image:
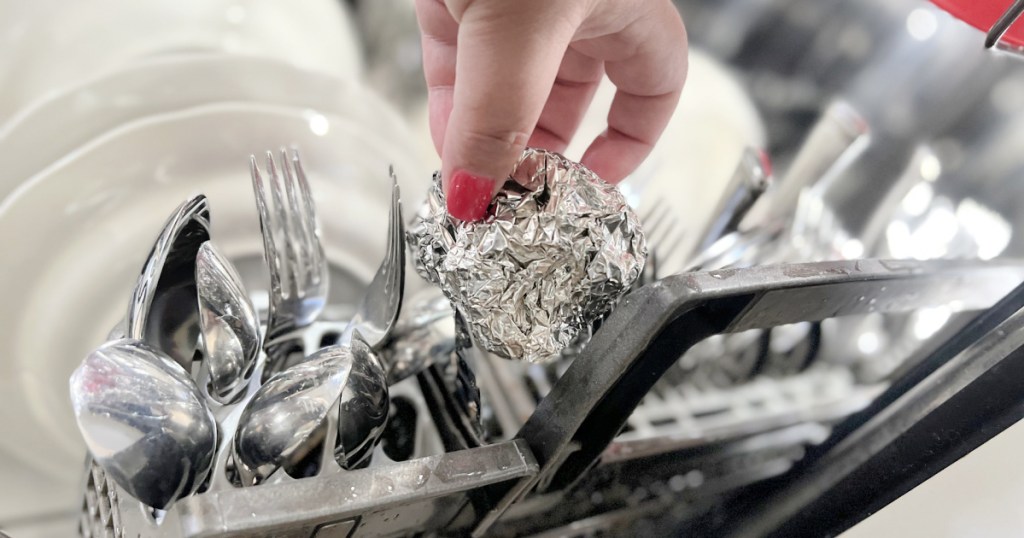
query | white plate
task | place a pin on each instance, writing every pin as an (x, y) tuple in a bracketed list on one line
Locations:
[(53, 126), (75, 237), (698, 152), (64, 41)]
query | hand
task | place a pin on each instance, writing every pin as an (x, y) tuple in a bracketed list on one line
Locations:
[(504, 74)]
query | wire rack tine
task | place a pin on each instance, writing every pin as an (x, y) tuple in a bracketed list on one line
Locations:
[(1001, 26)]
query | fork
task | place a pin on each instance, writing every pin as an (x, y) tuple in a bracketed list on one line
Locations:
[(293, 252), (664, 239), (379, 308), (665, 236)]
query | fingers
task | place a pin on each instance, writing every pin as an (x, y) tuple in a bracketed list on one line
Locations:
[(519, 82), (646, 61), (508, 57), (439, 33), (577, 81), (634, 124), (574, 89)]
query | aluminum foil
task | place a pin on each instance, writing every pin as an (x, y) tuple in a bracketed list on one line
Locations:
[(558, 250)]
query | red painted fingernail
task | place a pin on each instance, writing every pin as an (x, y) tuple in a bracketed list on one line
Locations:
[(766, 162), (468, 196)]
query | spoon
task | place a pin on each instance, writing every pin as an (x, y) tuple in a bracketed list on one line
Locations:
[(144, 421), (425, 336), (363, 408), (163, 309), (228, 322), (288, 417)]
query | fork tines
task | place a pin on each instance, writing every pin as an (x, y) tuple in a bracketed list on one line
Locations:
[(291, 240)]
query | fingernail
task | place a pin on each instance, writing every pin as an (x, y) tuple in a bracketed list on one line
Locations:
[(766, 162), (468, 196)]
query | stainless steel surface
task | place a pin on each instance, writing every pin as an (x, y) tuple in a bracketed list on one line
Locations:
[(409, 433), (378, 311), (287, 419), (144, 421), (791, 222), (424, 336), (449, 386), (294, 254), (397, 499), (163, 309), (230, 327), (324, 414), (101, 514), (1006, 20), (362, 408), (665, 238), (751, 179)]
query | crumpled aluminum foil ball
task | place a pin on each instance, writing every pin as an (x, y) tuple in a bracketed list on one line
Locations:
[(559, 249)]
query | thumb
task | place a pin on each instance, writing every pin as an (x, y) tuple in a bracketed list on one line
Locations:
[(508, 55)]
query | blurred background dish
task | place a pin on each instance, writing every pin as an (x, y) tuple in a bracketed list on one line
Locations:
[(63, 270), (695, 157), (104, 35), (54, 125)]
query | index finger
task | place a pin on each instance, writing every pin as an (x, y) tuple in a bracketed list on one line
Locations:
[(507, 60)]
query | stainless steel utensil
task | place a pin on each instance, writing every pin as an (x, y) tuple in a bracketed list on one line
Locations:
[(838, 137), (362, 408), (448, 385), (163, 309), (378, 310), (425, 334), (750, 180), (776, 228), (286, 420), (231, 337), (347, 380), (664, 236), (664, 240), (144, 421), (292, 248)]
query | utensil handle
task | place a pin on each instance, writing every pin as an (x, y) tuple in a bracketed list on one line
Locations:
[(923, 166), (839, 136), (748, 183)]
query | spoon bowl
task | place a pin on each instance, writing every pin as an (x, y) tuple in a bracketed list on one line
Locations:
[(228, 322), (144, 421), (288, 417), (163, 309)]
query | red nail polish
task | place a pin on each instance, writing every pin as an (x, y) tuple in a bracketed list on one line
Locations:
[(468, 196), (766, 162)]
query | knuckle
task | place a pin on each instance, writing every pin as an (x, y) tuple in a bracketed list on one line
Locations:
[(496, 141)]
